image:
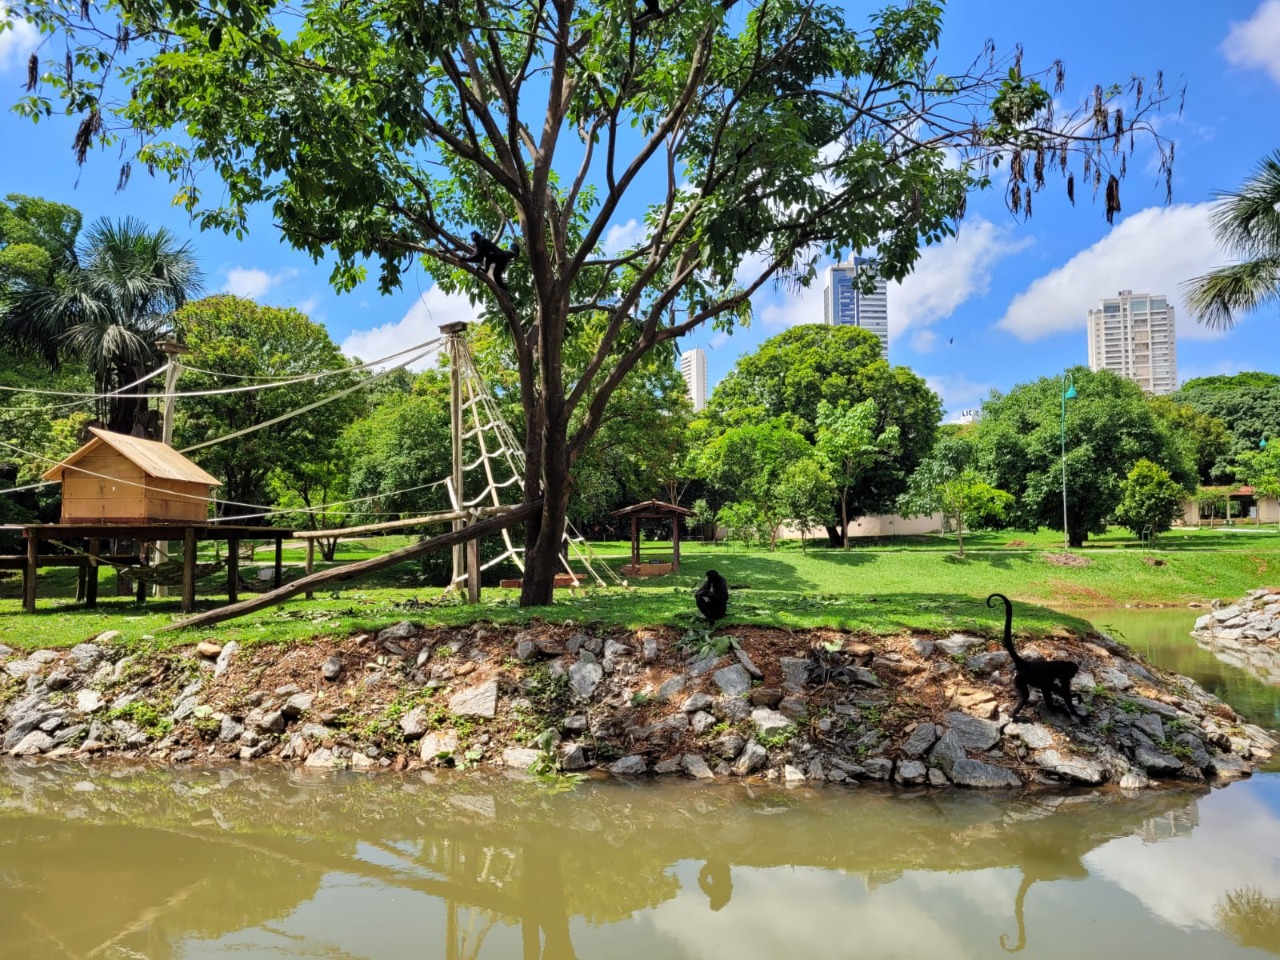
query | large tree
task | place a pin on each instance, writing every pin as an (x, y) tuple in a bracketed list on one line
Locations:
[(1246, 223), (1247, 403), (1109, 427), (948, 482), (750, 140), (106, 306), (37, 240)]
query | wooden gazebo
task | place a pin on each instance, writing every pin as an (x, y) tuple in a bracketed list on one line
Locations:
[(653, 510)]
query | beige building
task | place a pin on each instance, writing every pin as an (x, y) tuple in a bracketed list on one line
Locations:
[(1133, 335), (693, 367)]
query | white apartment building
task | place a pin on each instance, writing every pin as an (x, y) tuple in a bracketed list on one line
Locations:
[(844, 304), (1133, 335), (693, 367)]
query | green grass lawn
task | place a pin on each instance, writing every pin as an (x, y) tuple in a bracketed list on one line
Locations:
[(901, 583)]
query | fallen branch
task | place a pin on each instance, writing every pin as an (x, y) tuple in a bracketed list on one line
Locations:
[(353, 571)]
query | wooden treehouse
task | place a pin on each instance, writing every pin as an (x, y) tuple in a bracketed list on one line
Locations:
[(127, 494), (116, 478)]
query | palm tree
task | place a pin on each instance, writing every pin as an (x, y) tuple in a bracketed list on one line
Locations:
[(114, 298), (1247, 224)]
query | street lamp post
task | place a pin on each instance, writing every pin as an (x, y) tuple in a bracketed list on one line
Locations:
[(1068, 393)]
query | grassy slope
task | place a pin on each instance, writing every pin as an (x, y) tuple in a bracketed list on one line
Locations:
[(904, 583)]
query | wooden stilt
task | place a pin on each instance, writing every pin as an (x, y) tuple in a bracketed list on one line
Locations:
[(80, 584), (188, 569), (278, 579), (29, 572), (141, 585), (473, 571), (233, 570), (91, 582), (311, 563)]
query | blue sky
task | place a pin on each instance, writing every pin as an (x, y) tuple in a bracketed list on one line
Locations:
[(1003, 303)]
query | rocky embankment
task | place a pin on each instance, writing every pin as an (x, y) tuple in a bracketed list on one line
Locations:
[(815, 706), (1246, 634)]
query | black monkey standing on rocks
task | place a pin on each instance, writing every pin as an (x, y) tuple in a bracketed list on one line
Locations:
[(492, 259), (712, 597), (1047, 676)]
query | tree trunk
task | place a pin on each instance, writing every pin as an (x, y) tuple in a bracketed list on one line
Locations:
[(960, 532), (844, 519), (542, 549)]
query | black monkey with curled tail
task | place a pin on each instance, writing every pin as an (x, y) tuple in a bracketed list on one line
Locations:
[(712, 597), (1047, 676), (492, 259)]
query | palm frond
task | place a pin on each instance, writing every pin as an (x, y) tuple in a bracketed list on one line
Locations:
[(1219, 295), (1246, 221)]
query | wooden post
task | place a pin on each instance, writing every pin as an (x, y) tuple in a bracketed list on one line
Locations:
[(233, 569), (29, 572), (172, 349), (452, 334), (635, 540), (279, 561), (141, 585), (311, 563), (473, 571), (675, 542), (188, 569), (80, 583), (91, 582)]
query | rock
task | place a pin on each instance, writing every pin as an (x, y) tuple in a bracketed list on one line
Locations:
[(922, 647), (613, 650), (33, 744), (362, 762), (255, 751), (975, 701), (972, 733), (947, 752), (225, 656), (668, 728), (958, 644), (67, 734), (937, 778), (878, 768), (751, 759), (297, 705), (478, 701), (701, 722), (1200, 758), (1150, 724), (287, 690), (1115, 679), (794, 708), (792, 775), (1035, 735), (594, 644), (322, 757), (521, 758), (733, 680), (21, 669), (673, 685), (733, 709), (1155, 761), (230, 730), (699, 665), (1134, 780), (51, 721), (584, 678), (1168, 711), (272, 722), (439, 744), (696, 767), (85, 655), (414, 723), (526, 650), (769, 722), (728, 747), (665, 767), (5, 652), (863, 676), (921, 739), (331, 669), (107, 636), (574, 644), (795, 671), (1073, 768), (1224, 766), (649, 649), (206, 649), (397, 634), (573, 756), (1225, 614), (765, 697), (985, 664), (747, 664), (976, 773), (575, 724), (697, 702), (89, 701), (910, 771), (632, 766)]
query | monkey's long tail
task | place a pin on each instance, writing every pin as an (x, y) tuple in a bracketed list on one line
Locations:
[(1008, 626)]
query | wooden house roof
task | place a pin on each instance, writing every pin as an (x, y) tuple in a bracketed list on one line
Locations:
[(154, 459), (653, 508)]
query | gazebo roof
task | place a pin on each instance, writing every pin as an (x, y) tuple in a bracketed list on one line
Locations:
[(653, 508)]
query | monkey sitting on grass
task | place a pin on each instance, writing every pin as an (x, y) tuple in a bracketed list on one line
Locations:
[(712, 596)]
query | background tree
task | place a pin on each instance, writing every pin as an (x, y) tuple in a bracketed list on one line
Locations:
[(244, 343), (850, 445), (1149, 498), (37, 240), (758, 140), (806, 492), (1205, 439), (1246, 223), (947, 482), (1109, 428), (748, 464), (1247, 403), (107, 307), (1261, 470)]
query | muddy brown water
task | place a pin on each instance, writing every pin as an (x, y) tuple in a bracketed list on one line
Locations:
[(118, 862)]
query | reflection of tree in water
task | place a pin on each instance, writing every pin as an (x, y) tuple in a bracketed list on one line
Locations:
[(1251, 919), (249, 847)]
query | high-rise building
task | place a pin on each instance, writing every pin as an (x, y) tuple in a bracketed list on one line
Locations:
[(693, 367), (844, 304), (1133, 335)]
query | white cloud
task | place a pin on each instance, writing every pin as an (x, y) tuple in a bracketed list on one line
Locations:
[(622, 236), (796, 307), (947, 274), (958, 392), (1255, 43), (252, 283), (420, 324), (923, 341), (18, 41), (1153, 251)]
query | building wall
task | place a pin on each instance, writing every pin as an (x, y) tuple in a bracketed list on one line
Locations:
[(693, 367), (1268, 512), (106, 487), (843, 304), (176, 501), (1134, 335)]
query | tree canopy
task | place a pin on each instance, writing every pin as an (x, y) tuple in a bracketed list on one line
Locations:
[(1109, 427), (750, 140), (947, 482), (1247, 403)]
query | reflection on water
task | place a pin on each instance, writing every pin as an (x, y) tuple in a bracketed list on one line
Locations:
[(1164, 638), (280, 864)]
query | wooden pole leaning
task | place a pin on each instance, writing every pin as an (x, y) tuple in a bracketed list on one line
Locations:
[(452, 333)]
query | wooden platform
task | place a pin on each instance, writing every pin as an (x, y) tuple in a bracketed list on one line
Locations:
[(562, 580), (643, 569)]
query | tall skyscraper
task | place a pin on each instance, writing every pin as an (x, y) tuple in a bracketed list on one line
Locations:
[(693, 366), (1133, 335), (843, 304)]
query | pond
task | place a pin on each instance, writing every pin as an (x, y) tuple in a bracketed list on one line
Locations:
[(113, 862)]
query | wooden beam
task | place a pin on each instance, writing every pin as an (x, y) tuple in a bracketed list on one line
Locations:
[(91, 584), (233, 570), (353, 571), (311, 562), (279, 562), (473, 571), (188, 570), (29, 572), (340, 532)]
